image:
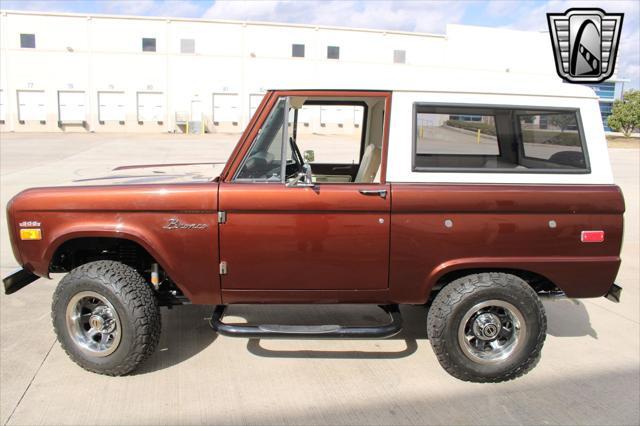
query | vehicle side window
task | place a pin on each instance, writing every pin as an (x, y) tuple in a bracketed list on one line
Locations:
[(336, 138), (552, 137), (449, 134), (263, 161), (499, 139), (341, 140)]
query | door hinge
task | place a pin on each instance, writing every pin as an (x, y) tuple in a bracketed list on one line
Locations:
[(223, 268), (222, 217)]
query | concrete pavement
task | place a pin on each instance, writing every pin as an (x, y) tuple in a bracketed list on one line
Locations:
[(589, 372)]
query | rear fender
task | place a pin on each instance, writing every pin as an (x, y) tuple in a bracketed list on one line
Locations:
[(576, 276)]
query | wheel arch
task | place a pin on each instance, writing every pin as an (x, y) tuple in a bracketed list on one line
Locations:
[(88, 246), (536, 281), (77, 249), (440, 277), (94, 244)]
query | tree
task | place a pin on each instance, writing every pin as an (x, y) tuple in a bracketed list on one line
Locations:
[(625, 115), (563, 121)]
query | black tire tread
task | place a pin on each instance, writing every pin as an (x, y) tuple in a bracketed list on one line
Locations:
[(452, 294), (133, 292)]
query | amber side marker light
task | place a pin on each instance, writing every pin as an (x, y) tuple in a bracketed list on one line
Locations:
[(31, 234)]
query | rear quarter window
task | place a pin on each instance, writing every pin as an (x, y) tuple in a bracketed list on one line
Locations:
[(551, 137), (498, 139)]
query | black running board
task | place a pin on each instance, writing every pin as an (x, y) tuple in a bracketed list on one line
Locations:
[(274, 331)]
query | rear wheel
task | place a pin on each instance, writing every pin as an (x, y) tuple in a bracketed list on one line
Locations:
[(106, 317), (487, 327)]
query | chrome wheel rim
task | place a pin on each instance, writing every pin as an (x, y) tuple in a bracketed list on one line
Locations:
[(93, 324), (491, 332)]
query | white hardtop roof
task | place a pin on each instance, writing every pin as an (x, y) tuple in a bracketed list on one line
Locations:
[(396, 79)]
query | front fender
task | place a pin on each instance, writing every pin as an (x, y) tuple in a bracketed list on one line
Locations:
[(119, 232), (188, 256)]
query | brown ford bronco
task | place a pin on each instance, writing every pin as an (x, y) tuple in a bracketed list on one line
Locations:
[(473, 204)]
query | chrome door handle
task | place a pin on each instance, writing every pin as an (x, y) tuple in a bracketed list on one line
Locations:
[(379, 192)]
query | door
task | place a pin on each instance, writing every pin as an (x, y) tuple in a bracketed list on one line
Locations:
[(280, 236), (196, 110), (254, 102), (111, 106), (3, 111), (71, 106), (226, 108), (150, 106), (31, 105)]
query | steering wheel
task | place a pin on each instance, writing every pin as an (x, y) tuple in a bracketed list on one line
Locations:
[(260, 165)]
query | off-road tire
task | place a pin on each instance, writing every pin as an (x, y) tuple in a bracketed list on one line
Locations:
[(135, 304), (457, 298)]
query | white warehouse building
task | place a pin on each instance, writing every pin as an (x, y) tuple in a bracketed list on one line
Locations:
[(63, 72)]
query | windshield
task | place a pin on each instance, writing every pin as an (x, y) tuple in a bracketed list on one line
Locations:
[(263, 161)]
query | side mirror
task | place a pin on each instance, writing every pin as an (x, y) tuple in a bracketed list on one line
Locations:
[(304, 179), (309, 156)]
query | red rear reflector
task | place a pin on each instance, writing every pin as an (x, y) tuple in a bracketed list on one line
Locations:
[(592, 236)]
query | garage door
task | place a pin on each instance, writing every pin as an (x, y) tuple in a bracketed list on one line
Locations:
[(226, 108), (31, 106), (358, 113), (254, 103), (3, 110), (304, 115), (111, 106), (330, 114), (71, 106), (150, 106)]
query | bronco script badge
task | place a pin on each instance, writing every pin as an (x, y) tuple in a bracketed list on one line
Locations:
[(174, 223), (585, 43)]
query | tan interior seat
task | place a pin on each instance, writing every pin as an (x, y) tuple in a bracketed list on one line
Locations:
[(369, 165)]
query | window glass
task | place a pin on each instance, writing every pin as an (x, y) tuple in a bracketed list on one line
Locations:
[(28, 41), (148, 44), (456, 134), (339, 141), (333, 52), (399, 56), (604, 90), (297, 50), (187, 45), (501, 139), (552, 136), (263, 161)]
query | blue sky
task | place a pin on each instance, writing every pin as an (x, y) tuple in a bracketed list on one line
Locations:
[(423, 16)]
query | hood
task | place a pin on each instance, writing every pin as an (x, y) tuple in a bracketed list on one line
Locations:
[(150, 174)]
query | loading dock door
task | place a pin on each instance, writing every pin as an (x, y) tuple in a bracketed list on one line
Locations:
[(150, 106), (31, 106), (304, 116), (330, 114), (358, 112), (254, 103), (226, 108), (111, 106), (71, 107), (3, 110)]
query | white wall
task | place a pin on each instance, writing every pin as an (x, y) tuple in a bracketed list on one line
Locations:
[(94, 54)]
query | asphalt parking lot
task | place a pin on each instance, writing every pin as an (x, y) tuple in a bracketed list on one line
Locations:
[(589, 372)]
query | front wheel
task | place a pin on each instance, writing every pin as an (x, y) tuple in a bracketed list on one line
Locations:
[(106, 317), (487, 327)]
